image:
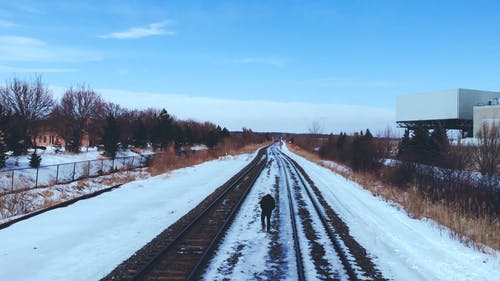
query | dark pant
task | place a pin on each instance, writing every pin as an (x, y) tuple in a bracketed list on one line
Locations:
[(266, 215)]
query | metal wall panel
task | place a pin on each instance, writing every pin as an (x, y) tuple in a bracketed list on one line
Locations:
[(427, 106)]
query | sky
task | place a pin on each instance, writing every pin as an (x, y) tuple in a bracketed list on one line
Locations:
[(264, 65)]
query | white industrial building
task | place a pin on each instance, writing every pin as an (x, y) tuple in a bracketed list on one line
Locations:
[(452, 109)]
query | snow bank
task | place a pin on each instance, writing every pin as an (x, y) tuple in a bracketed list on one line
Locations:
[(88, 239), (402, 247)]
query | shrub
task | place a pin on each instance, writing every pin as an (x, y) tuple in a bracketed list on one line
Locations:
[(35, 160)]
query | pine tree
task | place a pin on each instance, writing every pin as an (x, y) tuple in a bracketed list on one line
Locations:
[(419, 145), (140, 134), (111, 136), (74, 142), (35, 160), (3, 158), (162, 133), (404, 145), (438, 145)]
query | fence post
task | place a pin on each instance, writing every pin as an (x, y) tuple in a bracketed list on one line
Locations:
[(57, 174), (74, 170), (102, 166), (133, 158), (36, 179), (113, 165), (12, 184), (88, 170)]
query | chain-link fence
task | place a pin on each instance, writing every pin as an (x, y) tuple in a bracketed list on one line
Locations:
[(28, 178)]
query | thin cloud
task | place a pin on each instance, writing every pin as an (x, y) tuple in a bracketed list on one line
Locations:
[(27, 49), (157, 28), (264, 61)]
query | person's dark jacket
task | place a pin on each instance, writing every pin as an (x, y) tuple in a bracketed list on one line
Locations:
[(267, 203)]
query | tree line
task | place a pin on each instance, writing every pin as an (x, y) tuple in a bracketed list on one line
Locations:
[(28, 107)]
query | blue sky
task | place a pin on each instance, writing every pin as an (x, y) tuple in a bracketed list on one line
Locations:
[(316, 53)]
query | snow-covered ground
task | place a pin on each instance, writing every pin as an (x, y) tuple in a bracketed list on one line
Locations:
[(86, 240), (57, 167), (51, 157), (403, 248)]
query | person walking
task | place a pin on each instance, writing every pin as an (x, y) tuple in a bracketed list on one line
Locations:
[(267, 205)]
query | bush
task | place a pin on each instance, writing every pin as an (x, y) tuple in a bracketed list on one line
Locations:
[(35, 160), (2, 157)]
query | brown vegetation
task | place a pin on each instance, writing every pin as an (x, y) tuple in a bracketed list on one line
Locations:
[(474, 228), (170, 160)]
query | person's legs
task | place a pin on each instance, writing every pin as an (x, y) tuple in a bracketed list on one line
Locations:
[(262, 219), (268, 216)]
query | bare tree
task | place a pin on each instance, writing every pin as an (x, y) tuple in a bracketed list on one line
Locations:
[(82, 104), (83, 107), (315, 128), (29, 102), (487, 154), (113, 109)]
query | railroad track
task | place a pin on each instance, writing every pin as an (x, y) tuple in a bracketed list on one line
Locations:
[(307, 205), (183, 255)]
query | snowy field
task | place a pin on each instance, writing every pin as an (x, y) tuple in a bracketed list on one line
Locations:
[(62, 167), (403, 248), (87, 240)]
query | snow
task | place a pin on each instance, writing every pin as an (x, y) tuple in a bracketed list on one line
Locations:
[(50, 157), (81, 164), (88, 239), (339, 167), (403, 248)]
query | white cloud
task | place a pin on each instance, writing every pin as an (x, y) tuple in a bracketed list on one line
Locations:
[(260, 115), (27, 49), (265, 61), (157, 28)]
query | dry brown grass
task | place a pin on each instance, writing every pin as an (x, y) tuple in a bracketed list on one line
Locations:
[(169, 160), (471, 230)]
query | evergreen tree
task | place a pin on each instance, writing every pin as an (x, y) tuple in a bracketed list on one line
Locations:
[(212, 138), (74, 141), (162, 133), (140, 134), (419, 145), (225, 133), (404, 145), (15, 137), (35, 160), (2, 151), (4, 118), (364, 155), (368, 134), (111, 136), (438, 145)]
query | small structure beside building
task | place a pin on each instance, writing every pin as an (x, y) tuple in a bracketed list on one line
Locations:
[(50, 138), (489, 114), (451, 109)]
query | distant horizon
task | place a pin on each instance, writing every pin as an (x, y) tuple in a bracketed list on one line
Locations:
[(340, 63)]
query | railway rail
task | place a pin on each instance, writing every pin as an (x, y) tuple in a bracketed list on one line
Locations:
[(182, 255), (183, 251), (353, 258)]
